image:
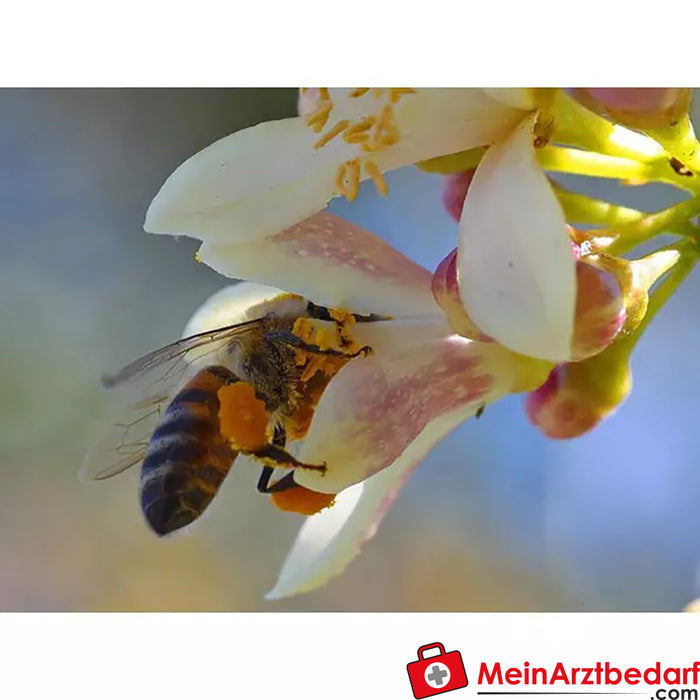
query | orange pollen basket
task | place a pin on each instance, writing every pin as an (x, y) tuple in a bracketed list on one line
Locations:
[(243, 417), (302, 500)]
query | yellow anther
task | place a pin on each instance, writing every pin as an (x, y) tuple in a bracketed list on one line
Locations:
[(379, 182), (384, 132), (317, 120), (371, 133), (395, 94), (347, 179), (336, 129), (358, 132)]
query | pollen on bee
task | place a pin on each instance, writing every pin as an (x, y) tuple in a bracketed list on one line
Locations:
[(242, 416), (302, 500)]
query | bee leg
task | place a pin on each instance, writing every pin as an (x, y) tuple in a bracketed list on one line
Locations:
[(279, 438), (275, 457), (284, 484), (288, 338), (480, 411), (322, 313)]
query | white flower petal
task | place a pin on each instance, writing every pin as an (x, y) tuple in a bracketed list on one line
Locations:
[(522, 98), (330, 540), (261, 180), (437, 121), (516, 272), (397, 404), (332, 262), (249, 185), (228, 306)]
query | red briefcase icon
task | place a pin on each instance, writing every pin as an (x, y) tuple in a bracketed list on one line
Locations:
[(436, 674)]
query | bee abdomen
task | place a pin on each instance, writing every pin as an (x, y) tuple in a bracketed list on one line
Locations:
[(187, 458)]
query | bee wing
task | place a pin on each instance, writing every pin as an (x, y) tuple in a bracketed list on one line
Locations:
[(153, 380)]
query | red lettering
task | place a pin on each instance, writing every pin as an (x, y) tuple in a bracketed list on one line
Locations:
[(587, 678), (672, 676), (632, 676), (559, 674), (485, 677), (612, 675), (652, 675), (513, 676)]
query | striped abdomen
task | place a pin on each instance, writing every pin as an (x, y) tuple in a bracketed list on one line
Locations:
[(187, 458)]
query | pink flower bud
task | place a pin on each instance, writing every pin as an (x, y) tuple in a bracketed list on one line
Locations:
[(639, 108), (600, 310), (446, 292), (454, 192), (578, 395), (635, 278)]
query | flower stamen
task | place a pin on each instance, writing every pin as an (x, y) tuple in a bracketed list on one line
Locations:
[(395, 94), (317, 119), (384, 132), (377, 177), (358, 133), (370, 132), (336, 129), (347, 179)]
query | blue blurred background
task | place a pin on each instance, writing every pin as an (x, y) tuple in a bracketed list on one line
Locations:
[(497, 518)]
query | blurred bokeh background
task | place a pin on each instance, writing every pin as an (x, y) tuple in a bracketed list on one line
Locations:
[(497, 518)]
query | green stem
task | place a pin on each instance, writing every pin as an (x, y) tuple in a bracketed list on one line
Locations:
[(577, 126), (675, 219), (679, 140), (577, 162), (572, 160), (582, 209), (454, 162)]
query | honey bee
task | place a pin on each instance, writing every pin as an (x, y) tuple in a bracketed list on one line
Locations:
[(240, 389)]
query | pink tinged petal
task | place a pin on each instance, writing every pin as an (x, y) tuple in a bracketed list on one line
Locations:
[(249, 185), (600, 311), (331, 539), (332, 262), (515, 270), (397, 404), (577, 396), (639, 108), (454, 192), (446, 293)]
